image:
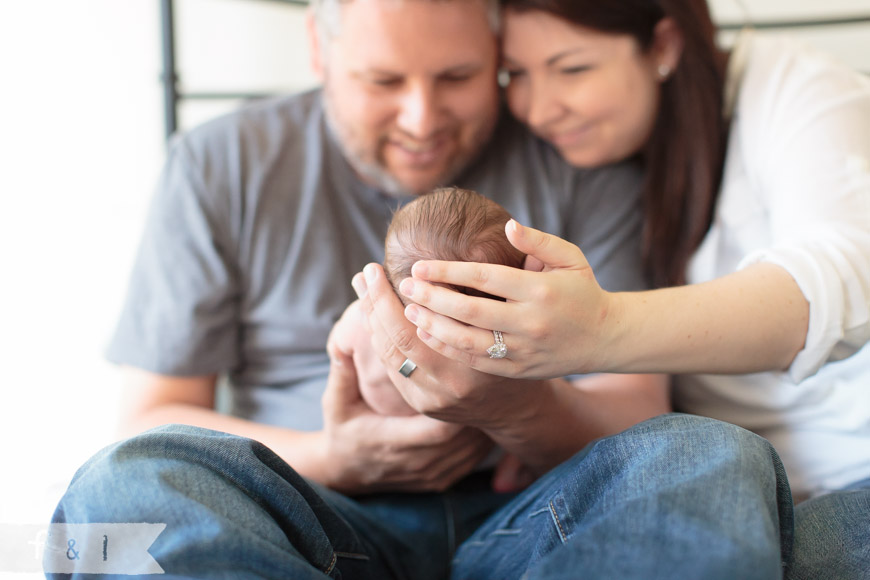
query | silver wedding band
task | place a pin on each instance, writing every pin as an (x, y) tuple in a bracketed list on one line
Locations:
[(407, 368)]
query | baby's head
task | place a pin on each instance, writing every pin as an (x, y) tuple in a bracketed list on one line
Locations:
[(448, 224)]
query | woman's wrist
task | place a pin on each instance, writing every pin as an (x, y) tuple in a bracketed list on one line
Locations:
[(610, 339)]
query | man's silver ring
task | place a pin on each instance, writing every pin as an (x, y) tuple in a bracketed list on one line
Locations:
[(499, 349), (407, 368)]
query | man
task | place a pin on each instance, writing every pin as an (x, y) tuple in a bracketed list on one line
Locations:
[(259, 223)]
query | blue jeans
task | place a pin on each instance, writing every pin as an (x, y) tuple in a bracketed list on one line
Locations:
[(674, 497), (832, 535)]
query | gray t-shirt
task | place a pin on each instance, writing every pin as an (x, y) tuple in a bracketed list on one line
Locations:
[(259, 223)]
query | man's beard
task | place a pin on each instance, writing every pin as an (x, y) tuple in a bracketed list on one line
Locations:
[(373, 172)]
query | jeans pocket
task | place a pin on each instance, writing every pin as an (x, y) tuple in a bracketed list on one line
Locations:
[(513, 540), (563, 519)]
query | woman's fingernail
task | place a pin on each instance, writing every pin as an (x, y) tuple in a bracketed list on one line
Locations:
[(406, 287), (515, 227), (370, 273), (359, 285), (411, 312)]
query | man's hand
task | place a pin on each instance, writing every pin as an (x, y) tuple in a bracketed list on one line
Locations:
[(512, 475), (440, 387), (368, 452), (352, 335)]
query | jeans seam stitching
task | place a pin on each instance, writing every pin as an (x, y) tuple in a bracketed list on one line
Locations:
[(329, 568), (562, 534)]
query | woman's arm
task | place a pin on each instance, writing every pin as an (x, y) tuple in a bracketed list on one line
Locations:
[(796, 206), (753, 320), (558, 321), (542, 422)]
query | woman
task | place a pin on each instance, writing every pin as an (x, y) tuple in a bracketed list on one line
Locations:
[(764, 211)]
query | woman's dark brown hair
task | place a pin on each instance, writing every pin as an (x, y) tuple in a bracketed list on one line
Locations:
[(685, 154)]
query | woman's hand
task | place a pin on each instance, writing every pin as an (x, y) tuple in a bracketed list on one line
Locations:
[(555, 321), (541, 422), (439, 387)]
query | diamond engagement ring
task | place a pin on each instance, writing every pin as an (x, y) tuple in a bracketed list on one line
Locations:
[(499, 349), (407, 368)]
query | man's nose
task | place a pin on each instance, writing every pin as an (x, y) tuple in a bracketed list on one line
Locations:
[(419, 110)]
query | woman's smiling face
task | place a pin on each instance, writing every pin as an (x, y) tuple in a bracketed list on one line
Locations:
[(593, 95)]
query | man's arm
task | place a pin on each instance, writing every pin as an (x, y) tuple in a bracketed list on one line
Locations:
[(559, 417), (357, 451), (152, 399)]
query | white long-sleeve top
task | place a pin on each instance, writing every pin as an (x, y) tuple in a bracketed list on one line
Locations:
[(796, 192)]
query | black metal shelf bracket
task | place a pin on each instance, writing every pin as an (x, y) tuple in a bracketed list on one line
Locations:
[(172, 96)]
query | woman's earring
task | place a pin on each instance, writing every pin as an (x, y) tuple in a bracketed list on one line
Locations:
[(664, 70)]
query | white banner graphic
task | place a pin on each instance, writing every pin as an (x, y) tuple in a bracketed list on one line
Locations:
[(80, 548)]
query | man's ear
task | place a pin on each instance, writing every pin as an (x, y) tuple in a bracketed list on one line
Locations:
[(667, 48), (315, 48)]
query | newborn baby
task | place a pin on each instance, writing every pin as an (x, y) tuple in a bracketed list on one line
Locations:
[(446, 224)]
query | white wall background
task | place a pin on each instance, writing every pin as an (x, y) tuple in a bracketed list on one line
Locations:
[(81, 145)]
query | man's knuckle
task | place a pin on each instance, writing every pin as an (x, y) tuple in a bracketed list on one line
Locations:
[(457, 388), (390, 351), (404, 339), (366, 305)]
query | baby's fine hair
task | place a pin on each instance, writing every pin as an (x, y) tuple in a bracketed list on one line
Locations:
[(448, 224)]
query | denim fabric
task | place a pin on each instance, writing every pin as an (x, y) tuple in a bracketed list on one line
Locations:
[(832, 536), (674, 497), (234, 509)]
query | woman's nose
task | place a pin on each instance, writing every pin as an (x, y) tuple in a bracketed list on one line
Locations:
[(543, 106)]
